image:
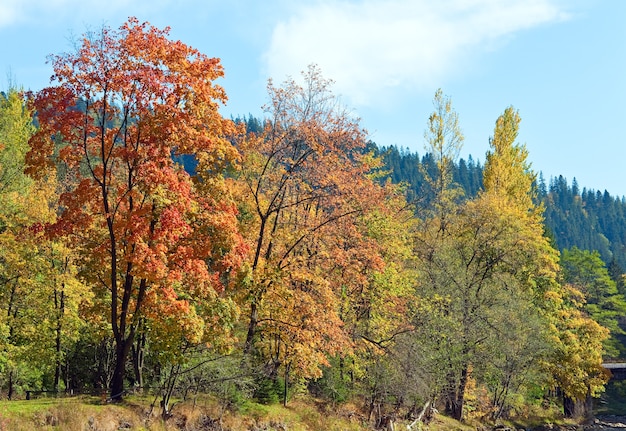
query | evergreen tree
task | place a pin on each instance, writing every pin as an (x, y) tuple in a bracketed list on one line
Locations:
[(586, 271)]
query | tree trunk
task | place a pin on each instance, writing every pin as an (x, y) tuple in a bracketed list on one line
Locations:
[(456, 394), (285, 392), (125, 331), (461, 393), (58, 366), (117, 380), (139, 355), (168, 391), (59, 299), (67, 378), (569, 407), (10, 389), (573, 408), (254, 317)]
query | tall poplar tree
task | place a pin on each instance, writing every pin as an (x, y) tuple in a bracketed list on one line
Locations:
[(436, 244), (480, 269), (507, 172), (509, 190), (444, 140)]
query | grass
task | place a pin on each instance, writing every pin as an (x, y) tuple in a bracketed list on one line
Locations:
[(299, 415), (71, 414), (443, 423), (89, 413), (205, 413)]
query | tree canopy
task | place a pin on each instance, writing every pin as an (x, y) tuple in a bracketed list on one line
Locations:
[(152, 238)]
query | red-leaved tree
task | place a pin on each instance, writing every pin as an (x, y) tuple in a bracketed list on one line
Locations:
[(153, 240)]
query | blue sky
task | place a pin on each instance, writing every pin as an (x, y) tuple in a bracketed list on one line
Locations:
[(562, 64)]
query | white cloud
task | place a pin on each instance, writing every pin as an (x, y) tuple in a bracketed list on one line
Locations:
[(372, 47)]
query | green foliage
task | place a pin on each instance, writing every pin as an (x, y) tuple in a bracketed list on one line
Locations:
[(613, 400), (334, 385), (586, 271), (587, 219), (411, 170), (268, 390)]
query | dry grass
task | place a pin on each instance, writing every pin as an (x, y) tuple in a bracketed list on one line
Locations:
[(91, 414), (69, 414)]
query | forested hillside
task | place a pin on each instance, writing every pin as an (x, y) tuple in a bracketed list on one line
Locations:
[(575, 217), (281, 262)]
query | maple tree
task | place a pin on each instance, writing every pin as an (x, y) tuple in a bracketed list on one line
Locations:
[(304, 185), (156, 242)]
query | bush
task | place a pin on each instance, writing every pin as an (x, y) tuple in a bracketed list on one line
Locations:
[(268, 390)]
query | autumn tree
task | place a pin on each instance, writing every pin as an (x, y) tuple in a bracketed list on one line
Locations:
[(509, 185), (39, 299), (444, 140), (575, 364), (377, 311), (575, 338), (573, 358), (471, 280), (305, 190), (16, 214), (507, 172), (482, 270), (156, 243)]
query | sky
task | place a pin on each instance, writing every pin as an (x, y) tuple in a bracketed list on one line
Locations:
[(560, 63)]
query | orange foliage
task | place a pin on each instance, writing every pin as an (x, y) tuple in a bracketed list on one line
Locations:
[(124, 104), (305, 187)]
